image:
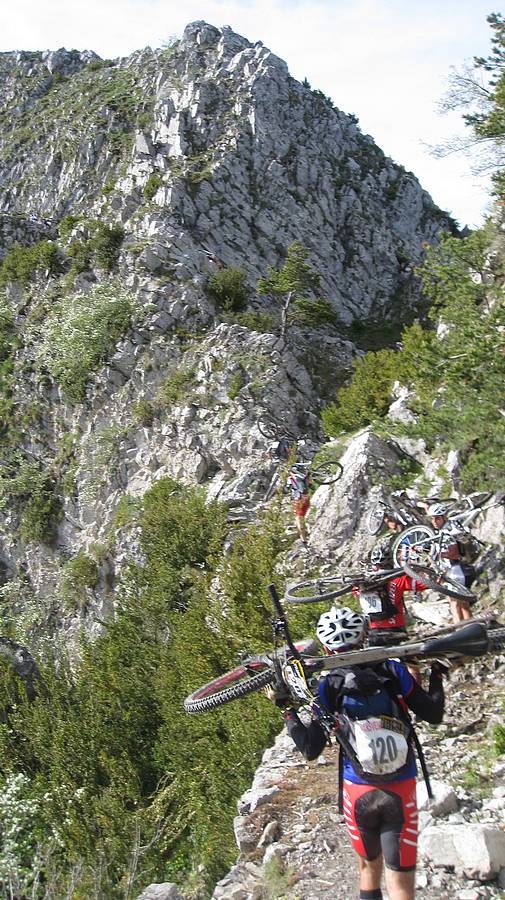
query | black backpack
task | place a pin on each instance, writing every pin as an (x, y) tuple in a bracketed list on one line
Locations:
[(370, 723)]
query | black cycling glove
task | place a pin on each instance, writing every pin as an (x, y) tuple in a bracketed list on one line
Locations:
[(438, 669)]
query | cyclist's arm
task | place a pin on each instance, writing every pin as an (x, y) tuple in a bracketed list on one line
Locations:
[(406, 583), (310, 740), (428, 705)]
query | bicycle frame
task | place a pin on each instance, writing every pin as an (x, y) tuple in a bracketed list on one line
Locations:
[(292, 668), (467, 516)]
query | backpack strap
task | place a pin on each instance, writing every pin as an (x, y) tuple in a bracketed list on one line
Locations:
[(340, 780), (415, 739)]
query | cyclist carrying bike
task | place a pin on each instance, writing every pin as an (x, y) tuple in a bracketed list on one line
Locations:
[(384, 607), (299, 483), (450, 552), (368, 706), (280, 451)]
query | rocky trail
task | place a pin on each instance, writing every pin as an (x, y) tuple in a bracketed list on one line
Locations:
[(293, 842)]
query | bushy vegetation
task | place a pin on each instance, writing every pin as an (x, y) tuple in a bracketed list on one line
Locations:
[(455, 369), (34, 493), (366, 398), (79, 575), (21, 264), (124, 787), (82, 331), (177, 387), (228, 289), (8, 342), (42, 513), (152, 184), (100, 246)]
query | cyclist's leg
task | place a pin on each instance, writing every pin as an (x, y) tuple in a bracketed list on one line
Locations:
[(399, 838), (363, 831), (460, 609), (400, 885), (301, 508), (370, 877)]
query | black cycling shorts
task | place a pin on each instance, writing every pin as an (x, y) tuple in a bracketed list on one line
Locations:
[(383, 820)]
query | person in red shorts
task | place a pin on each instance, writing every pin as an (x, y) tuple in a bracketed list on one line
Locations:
[(368, 706), (299, 483)]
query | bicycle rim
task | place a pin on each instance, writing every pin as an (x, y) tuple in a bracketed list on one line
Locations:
[(267, 429), (245, 679), (446, 585), (375, 518), (317, 590), (417, 536), (327, 472)]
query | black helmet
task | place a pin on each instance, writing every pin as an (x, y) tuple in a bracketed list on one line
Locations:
[(381, 554)]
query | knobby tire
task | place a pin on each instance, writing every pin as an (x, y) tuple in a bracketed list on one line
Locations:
[(327, 472), (496, 639), (239, 683), (375, 518)]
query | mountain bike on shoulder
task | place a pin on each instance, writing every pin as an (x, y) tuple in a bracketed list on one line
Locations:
[(329, 588), (293, 667), (399, 506)]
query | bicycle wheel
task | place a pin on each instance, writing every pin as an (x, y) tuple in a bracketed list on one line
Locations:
[(267, 429), (318, 589), (375, 517), (327, 472), (411, 542), (251, 676), (439, 581), (321, 588)]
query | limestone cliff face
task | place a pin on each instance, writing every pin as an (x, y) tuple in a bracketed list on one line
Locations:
[(240, 160), (204, 155)]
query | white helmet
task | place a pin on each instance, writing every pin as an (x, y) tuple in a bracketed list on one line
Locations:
[(437, 509), (340, 627)]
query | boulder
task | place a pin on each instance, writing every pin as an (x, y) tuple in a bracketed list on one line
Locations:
[(165, 891), (478, 851)]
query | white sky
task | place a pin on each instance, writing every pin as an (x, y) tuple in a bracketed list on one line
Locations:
[(386, 61)]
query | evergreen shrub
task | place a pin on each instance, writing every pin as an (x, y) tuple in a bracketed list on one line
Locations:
[(79, 574), (228, 289), (151, 186), (366, 398), (125, 783), (177, 387), (22, 263)]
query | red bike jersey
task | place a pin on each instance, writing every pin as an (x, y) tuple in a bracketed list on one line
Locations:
[(384, 607)]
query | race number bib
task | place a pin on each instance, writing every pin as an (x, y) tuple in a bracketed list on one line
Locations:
[(370, 603), (381, 744)]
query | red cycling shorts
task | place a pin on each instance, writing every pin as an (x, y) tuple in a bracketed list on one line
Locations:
[(383, 819), (301, 506)]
